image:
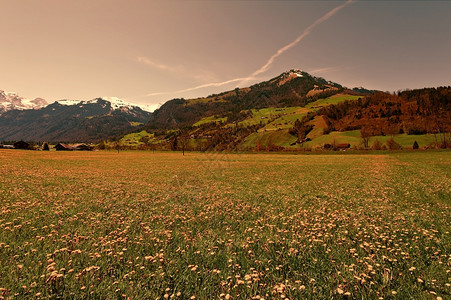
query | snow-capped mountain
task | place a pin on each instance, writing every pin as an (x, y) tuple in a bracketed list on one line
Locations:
[(72, 121), (11, 101), (116, 103)]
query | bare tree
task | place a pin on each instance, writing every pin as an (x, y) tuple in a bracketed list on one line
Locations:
[(365, 135)]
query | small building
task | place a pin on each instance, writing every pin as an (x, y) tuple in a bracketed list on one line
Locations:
[(82, 147), (327, 147), (343, 147), (63, 147), (22, 145)]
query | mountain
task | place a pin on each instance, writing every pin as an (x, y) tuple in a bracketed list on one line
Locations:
[(297, 110), (116, 103), (72, 121), (11, 101), (292, 88)]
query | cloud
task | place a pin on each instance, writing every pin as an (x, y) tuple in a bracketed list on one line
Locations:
[(324, 70), (213, 84), (305, 33), (163, 67), (328, 70), (199, 75), (270, 61)]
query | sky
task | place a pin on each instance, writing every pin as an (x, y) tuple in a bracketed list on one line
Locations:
[(149, 51)]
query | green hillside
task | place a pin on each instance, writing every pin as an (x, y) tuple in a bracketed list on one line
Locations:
[(296, 110)]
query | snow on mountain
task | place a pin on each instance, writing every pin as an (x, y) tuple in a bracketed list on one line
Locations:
[(10, 101), (116, 103), (287, 76)]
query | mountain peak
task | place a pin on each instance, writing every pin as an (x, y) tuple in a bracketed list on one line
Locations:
[(115, 102), (11, 101), (290, 75)]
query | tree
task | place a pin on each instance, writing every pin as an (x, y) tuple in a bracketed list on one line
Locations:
[(174, 143), (117, 144), (180, 139), (377, 145), (101, 145), (45, 147), (415, 145), (184, 139), (393, 145), (365, 135), (145, 139)]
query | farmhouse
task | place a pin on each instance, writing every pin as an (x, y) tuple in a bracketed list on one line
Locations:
[(21, 145), (343, 147), (340, 147), (63, 147), (82, 147)]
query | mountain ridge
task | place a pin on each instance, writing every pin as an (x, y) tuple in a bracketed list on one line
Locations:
[(76, 121), (12, 101), (291, 88)]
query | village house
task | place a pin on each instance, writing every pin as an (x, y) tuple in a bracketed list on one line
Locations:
[(343, 147), (81, 147), (21, 145), (63, 147)]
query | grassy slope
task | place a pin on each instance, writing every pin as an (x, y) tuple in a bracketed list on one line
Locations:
[(210, 119), (139, 225), (289, 115), (268, 138), (264, 115), (287, 119), (331, 100), (133, 139), (353, 138), (284, 118)]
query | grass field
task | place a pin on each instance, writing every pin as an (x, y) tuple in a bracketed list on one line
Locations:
[(268, 139), (335, 99), (107, 225), (210, 119), (354, 138)]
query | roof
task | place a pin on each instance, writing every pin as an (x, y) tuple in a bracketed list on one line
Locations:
[(343, 145), (61, 145)]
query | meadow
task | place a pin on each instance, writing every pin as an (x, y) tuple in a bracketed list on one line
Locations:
[(142, 225)]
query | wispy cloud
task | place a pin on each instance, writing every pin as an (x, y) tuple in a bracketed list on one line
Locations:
[(305, 33), (198, 75), (328, 70), (324, 70), (270, 61), (213, 84), (148, 62)]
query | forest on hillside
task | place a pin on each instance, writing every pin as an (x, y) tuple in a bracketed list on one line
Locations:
[(412, 112)]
